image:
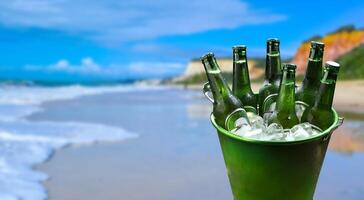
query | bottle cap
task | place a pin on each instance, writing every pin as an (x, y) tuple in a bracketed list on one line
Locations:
[(332, 66)]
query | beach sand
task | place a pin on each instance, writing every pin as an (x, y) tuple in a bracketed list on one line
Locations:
[(180, 158)]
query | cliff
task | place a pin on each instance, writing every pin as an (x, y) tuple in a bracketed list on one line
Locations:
[(337, 44)]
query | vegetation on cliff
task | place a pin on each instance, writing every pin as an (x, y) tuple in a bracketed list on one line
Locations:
[(352, 64)]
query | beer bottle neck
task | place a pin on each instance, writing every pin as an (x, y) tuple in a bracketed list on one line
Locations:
[(316, 53), (314, 68), (326, 92), (273, 66), (219, 87), (241, 80), (286, 96)]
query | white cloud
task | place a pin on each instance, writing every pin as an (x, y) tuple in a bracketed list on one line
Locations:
[(88, 67), (112, 21)]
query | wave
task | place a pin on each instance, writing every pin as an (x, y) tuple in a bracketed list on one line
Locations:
[(36, 95), (24, 143)]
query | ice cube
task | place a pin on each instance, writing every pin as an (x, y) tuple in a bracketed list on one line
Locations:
[(241, 127), (307, 126), (266, 117), (300, 108), (315, 132), (272, 107), (241, 122), (274, 128), (273, 132), (250, 114), (273, 137), (256, 121), (254, 117), (289, 137), (242, 130), (253, 130), (254, 133), (301, 131)]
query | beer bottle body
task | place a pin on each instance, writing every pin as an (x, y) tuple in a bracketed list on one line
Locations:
[(241, 87), (284, 112), (272, 74), (320, 114), (320, 118), (226, 107), (310, 85)]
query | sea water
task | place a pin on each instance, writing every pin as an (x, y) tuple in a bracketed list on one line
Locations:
[(25, 143)]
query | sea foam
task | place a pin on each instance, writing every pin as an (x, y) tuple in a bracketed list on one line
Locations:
[(24, 143)]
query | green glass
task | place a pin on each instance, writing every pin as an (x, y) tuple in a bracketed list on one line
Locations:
[(273, 73), (320, 113), (284, 112), (241, 81), (226, 107), (307, 92)]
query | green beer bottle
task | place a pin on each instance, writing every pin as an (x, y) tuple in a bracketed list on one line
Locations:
[(307, 92), (241, 81), (284, 112), (226, 107), (320, 113), (273, 74)]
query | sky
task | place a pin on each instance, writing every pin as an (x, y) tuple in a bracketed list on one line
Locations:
[(105, 40)]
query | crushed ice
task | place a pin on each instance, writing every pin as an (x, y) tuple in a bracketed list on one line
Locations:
[(259, 130)]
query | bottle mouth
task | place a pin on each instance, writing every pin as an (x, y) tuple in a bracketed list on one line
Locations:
[(239, 53), (273, 40), (207, 56), (239, 48), (273, 45), (289, 66), (316, 44), (210, 64)]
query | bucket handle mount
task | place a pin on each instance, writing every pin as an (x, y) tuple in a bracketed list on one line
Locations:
[(206, 91), (340, 121)]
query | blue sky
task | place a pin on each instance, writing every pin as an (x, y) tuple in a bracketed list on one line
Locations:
[(83, 40)]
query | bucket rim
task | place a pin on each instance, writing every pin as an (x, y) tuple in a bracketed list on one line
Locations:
[(337, 122)]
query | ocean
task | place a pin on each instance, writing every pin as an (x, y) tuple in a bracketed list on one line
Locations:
[(163, 145)]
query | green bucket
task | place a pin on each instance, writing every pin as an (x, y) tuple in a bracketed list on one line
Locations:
[(269, 170)]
